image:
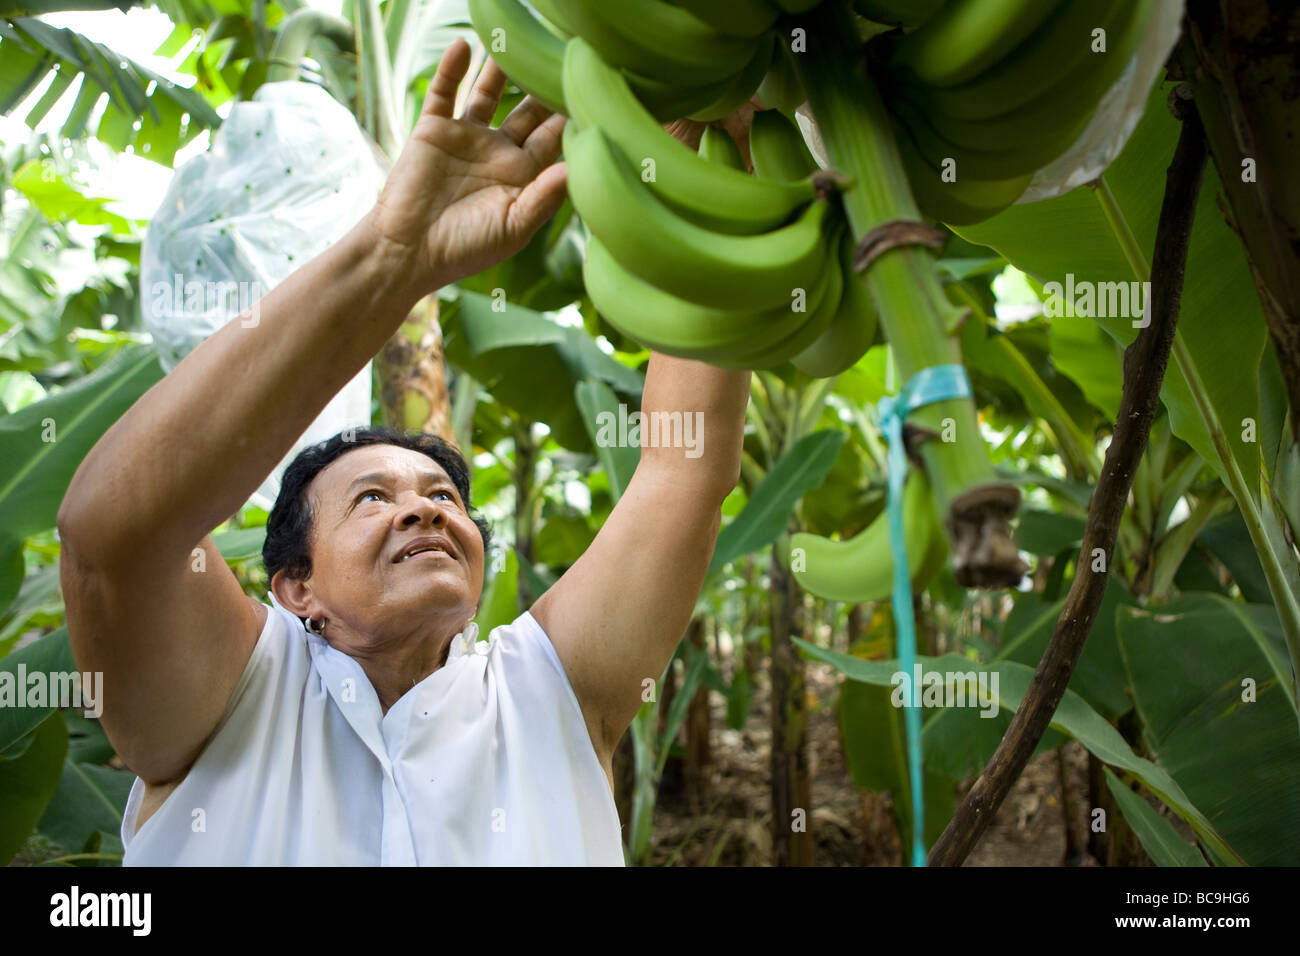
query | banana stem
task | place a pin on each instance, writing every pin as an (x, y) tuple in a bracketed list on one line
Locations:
[(1128, 243), (376, 69), (296, 34), (918, 319)]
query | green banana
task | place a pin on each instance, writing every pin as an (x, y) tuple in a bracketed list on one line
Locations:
[(540, 68), (935, 560), (820, 315), (960, 203), (969, 37), (782, 352), (973, 165), (795, 7), (551, 12), (851, 331), (1056, 48), (899, 13), (1007, 147), (650, 240), (781, 88), (529, 53), (717, 146), (658, 40), (741, 18), (673, 326), (710, 196), (670, 101), (777, 148), (862, 568), (740, 90), (1059, 113)]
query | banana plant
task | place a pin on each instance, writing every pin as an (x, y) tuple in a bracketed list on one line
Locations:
[(1207, 405)]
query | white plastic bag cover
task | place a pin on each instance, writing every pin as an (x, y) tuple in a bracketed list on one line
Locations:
[(1117, 115), (288, 174)]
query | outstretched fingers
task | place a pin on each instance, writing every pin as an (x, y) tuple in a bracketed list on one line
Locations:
[(524, 118), (441, 98), (485, 96), (540, 200), (545, 143)]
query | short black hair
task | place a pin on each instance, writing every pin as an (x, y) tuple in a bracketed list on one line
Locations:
[(289, 526)]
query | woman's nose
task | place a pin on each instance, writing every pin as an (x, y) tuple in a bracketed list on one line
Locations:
[(419, 509)]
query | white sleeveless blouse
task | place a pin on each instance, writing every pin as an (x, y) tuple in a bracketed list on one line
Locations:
[(485, 762)]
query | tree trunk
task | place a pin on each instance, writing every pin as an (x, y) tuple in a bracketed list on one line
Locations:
[(670, 781), (791, 786), (853, 626), (624, 767), (1099, 798), (753, 615), (1073, 851), (412, 377), (526, 453), (696, 767)]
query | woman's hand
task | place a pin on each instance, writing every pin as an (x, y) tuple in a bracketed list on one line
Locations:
[(463, 196)]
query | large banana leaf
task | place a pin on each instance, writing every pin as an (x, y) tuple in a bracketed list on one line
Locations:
[(1238, 760), (532, 364), (1016, 362), (596, 399), (169, 115), (241, 544), (27, 782), (1099, 677), (1210, 388), (1073, 717), (875, 748), (1091, 359), (499, 604), (50, 654), (89, 800), (39, 598), (1158, 836), (1228, 540), (767, 512), (1221, 321), (42, 444)]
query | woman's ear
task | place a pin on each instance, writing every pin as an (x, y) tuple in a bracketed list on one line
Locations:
[(294, 594)]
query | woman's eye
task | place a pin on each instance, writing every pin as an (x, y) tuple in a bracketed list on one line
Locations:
[(366, 494)]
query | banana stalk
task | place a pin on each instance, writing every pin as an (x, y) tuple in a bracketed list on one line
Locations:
[(295, 35), (918, 319)]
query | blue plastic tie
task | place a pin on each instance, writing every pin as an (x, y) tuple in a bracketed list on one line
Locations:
[(935, 384)]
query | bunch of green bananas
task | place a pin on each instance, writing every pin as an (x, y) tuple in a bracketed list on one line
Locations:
[(862, 567), (990, 91), (691, 255), (701, 59)]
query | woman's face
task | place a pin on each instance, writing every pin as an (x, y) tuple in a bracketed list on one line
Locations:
[(369, 506)]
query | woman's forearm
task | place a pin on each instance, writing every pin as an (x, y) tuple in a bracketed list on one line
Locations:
[(693, 422), (189, 453)]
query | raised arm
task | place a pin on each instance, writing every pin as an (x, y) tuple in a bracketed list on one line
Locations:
[(616, 616), (170, 640)]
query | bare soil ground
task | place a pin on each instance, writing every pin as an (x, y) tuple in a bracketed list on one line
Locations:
[(731, 826)]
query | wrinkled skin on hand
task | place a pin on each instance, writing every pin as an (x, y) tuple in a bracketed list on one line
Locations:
[(463, 195)]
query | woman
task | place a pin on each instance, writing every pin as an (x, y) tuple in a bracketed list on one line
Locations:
[(356, 720)]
